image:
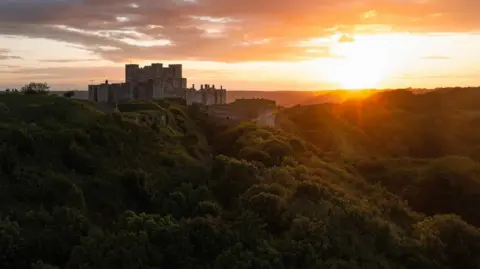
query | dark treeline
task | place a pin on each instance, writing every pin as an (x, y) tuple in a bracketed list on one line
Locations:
[(387, 182)]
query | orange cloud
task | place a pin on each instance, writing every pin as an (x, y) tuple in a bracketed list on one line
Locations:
[(228, 31)]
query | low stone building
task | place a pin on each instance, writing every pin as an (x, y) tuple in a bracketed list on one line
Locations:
[(109, 93), (155, 82), (261, 111), (206, 95)]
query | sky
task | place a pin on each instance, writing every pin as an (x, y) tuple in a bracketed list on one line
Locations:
[(244, 45)]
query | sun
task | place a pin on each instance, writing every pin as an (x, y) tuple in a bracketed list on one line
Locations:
[(360, 64)]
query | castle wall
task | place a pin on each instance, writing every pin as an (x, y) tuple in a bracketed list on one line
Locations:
[(155, 82), (172, 92), (176, 70), (210, 98), (169, 72), (131, 72), (135, 73), (158, 70), (206, 96), (146, 92), (92, 93), (142, 91), (158, 91), (120, 92), (224, 96), (103, 93), (198, 97)]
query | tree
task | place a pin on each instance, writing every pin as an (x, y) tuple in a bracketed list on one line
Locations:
[(69, 94), (451, 240), (35, 88)]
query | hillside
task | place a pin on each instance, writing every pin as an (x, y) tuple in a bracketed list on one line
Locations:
[(393, 123), (154, 186), (424, 148)]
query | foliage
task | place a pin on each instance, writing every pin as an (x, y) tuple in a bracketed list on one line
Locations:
[(69, 94), (153, 185), (35, 88)]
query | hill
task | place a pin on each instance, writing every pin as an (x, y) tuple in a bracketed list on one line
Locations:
[(154, 185), (424, 148), (393, 123)]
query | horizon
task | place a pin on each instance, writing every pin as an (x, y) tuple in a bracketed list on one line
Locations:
[(287, 46)]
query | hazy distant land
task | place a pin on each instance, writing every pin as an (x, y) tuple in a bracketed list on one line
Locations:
[(285, 98)]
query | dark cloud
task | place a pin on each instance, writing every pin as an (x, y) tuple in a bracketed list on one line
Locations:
[(220, 30), (6, 55)]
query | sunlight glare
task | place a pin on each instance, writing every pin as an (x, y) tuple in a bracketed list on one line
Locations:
[(361, 64)]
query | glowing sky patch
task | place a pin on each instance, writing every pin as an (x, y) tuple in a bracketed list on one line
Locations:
[(287, 44)]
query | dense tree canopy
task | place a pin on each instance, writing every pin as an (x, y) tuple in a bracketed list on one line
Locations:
[(153, 185)]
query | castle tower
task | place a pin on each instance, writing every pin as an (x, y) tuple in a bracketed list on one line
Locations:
[(177, 70), (157, 71), (131, 72)]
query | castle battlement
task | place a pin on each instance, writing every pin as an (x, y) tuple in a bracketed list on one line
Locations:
[(135, 73), (155, 82)]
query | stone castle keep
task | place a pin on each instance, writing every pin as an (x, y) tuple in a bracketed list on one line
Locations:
[(155, 82)]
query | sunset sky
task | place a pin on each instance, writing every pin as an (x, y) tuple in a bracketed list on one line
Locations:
[(244, 45)]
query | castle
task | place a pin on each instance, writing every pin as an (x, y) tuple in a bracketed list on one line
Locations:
[(155, 82)]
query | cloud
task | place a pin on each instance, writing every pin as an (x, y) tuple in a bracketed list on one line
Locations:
[(219, 30), (99, 72), (9, 66), (65, 60), (5, 55), (433, 57)]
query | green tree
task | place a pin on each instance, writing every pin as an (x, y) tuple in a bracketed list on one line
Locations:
[(450, 240)]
